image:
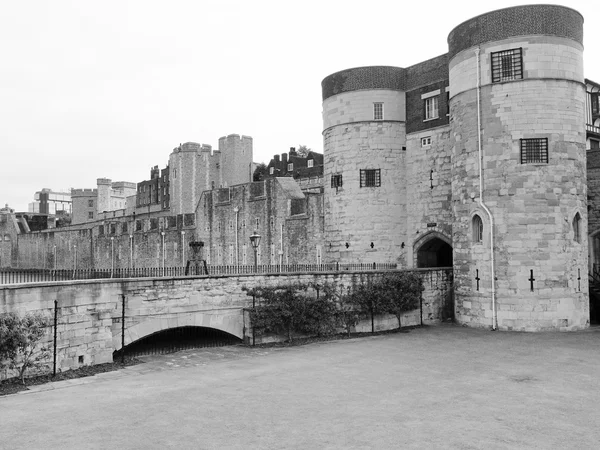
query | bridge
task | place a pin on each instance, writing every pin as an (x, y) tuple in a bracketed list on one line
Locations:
[(95, 318)]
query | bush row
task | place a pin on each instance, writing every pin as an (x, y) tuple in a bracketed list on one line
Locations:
[(323, 309)]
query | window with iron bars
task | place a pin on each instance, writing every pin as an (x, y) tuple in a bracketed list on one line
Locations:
[(507, 65), (336, 180), (370, 177), (534, 150)]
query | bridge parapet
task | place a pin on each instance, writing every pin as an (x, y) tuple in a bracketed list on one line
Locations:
[(90, 311)]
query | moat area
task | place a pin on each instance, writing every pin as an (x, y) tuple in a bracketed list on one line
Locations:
[(434, 387)]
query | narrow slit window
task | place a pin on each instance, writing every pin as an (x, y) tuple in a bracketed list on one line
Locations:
[(477, 229), (577, 228)]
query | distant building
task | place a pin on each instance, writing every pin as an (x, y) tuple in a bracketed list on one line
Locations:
[(296, 166), (153, 194), (90, 204), (194, 168), (48, 201)]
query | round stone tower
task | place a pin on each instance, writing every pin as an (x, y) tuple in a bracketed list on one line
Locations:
[(364, 143), (519, 169)]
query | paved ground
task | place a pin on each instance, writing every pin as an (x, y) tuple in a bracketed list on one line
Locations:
[(444, 387)]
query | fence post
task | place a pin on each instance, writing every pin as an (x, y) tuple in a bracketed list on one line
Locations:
[(123, 329), (55, 332)]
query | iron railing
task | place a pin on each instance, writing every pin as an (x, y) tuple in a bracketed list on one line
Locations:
[(19, 276)]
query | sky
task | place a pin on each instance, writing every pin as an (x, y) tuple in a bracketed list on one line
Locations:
[(107, 89)]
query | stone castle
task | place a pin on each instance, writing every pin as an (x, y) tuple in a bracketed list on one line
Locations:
[(484, 159)]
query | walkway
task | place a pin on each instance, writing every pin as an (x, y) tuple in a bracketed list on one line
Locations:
[(444, 387)]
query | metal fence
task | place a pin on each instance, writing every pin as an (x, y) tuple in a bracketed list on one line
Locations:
[(19, 276)]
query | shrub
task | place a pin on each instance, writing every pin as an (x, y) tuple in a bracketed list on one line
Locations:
[(19, 341), (292, 309)]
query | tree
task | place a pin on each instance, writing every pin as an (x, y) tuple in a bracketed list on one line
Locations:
[(370, 299), (19, 342), (402, 292), (302, 151), (260, 173)]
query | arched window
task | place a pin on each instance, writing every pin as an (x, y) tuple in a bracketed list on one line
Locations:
[(477, 229), (7, 237), (577, 228)]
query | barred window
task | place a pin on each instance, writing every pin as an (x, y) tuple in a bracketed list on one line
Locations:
[(310, 163), (507, 65), (336, 180), (534, 150), (370, 177), (290, 167), (477, 229), (431, 108), (377, 111)]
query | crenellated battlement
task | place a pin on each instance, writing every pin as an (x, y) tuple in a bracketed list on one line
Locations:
[(83, 192)]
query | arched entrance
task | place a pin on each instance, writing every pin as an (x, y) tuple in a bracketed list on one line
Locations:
[(433, 250), (175, 339)]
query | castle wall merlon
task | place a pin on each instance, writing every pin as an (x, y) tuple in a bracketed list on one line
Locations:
[(83, 192)]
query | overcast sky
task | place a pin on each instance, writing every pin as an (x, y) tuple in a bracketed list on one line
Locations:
[(109, 88)]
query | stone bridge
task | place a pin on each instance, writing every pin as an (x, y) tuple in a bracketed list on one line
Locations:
[(89, 326)]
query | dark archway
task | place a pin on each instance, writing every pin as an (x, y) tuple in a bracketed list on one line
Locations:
[(434, 252), (176, 339)]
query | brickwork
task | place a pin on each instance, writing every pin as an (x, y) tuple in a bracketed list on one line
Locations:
[(364, 78), (415, 107), (545, 20), (89, 312)]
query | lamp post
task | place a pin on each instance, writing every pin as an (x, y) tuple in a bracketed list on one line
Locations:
[(162, 234), (112, 256), (255, 241)]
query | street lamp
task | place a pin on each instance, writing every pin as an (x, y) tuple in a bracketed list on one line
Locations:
[(255, 241)]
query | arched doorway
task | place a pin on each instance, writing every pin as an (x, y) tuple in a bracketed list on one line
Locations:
[(433, 250)]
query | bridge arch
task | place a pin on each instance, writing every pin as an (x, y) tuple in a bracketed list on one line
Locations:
[(231, 322), (432, 249)]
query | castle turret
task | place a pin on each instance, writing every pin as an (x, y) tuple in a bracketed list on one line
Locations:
[(104, 187), (364, 139), (518, 169)]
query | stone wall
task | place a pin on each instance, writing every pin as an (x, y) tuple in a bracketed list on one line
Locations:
[(533, 204), (429, 189), (89, 312)]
